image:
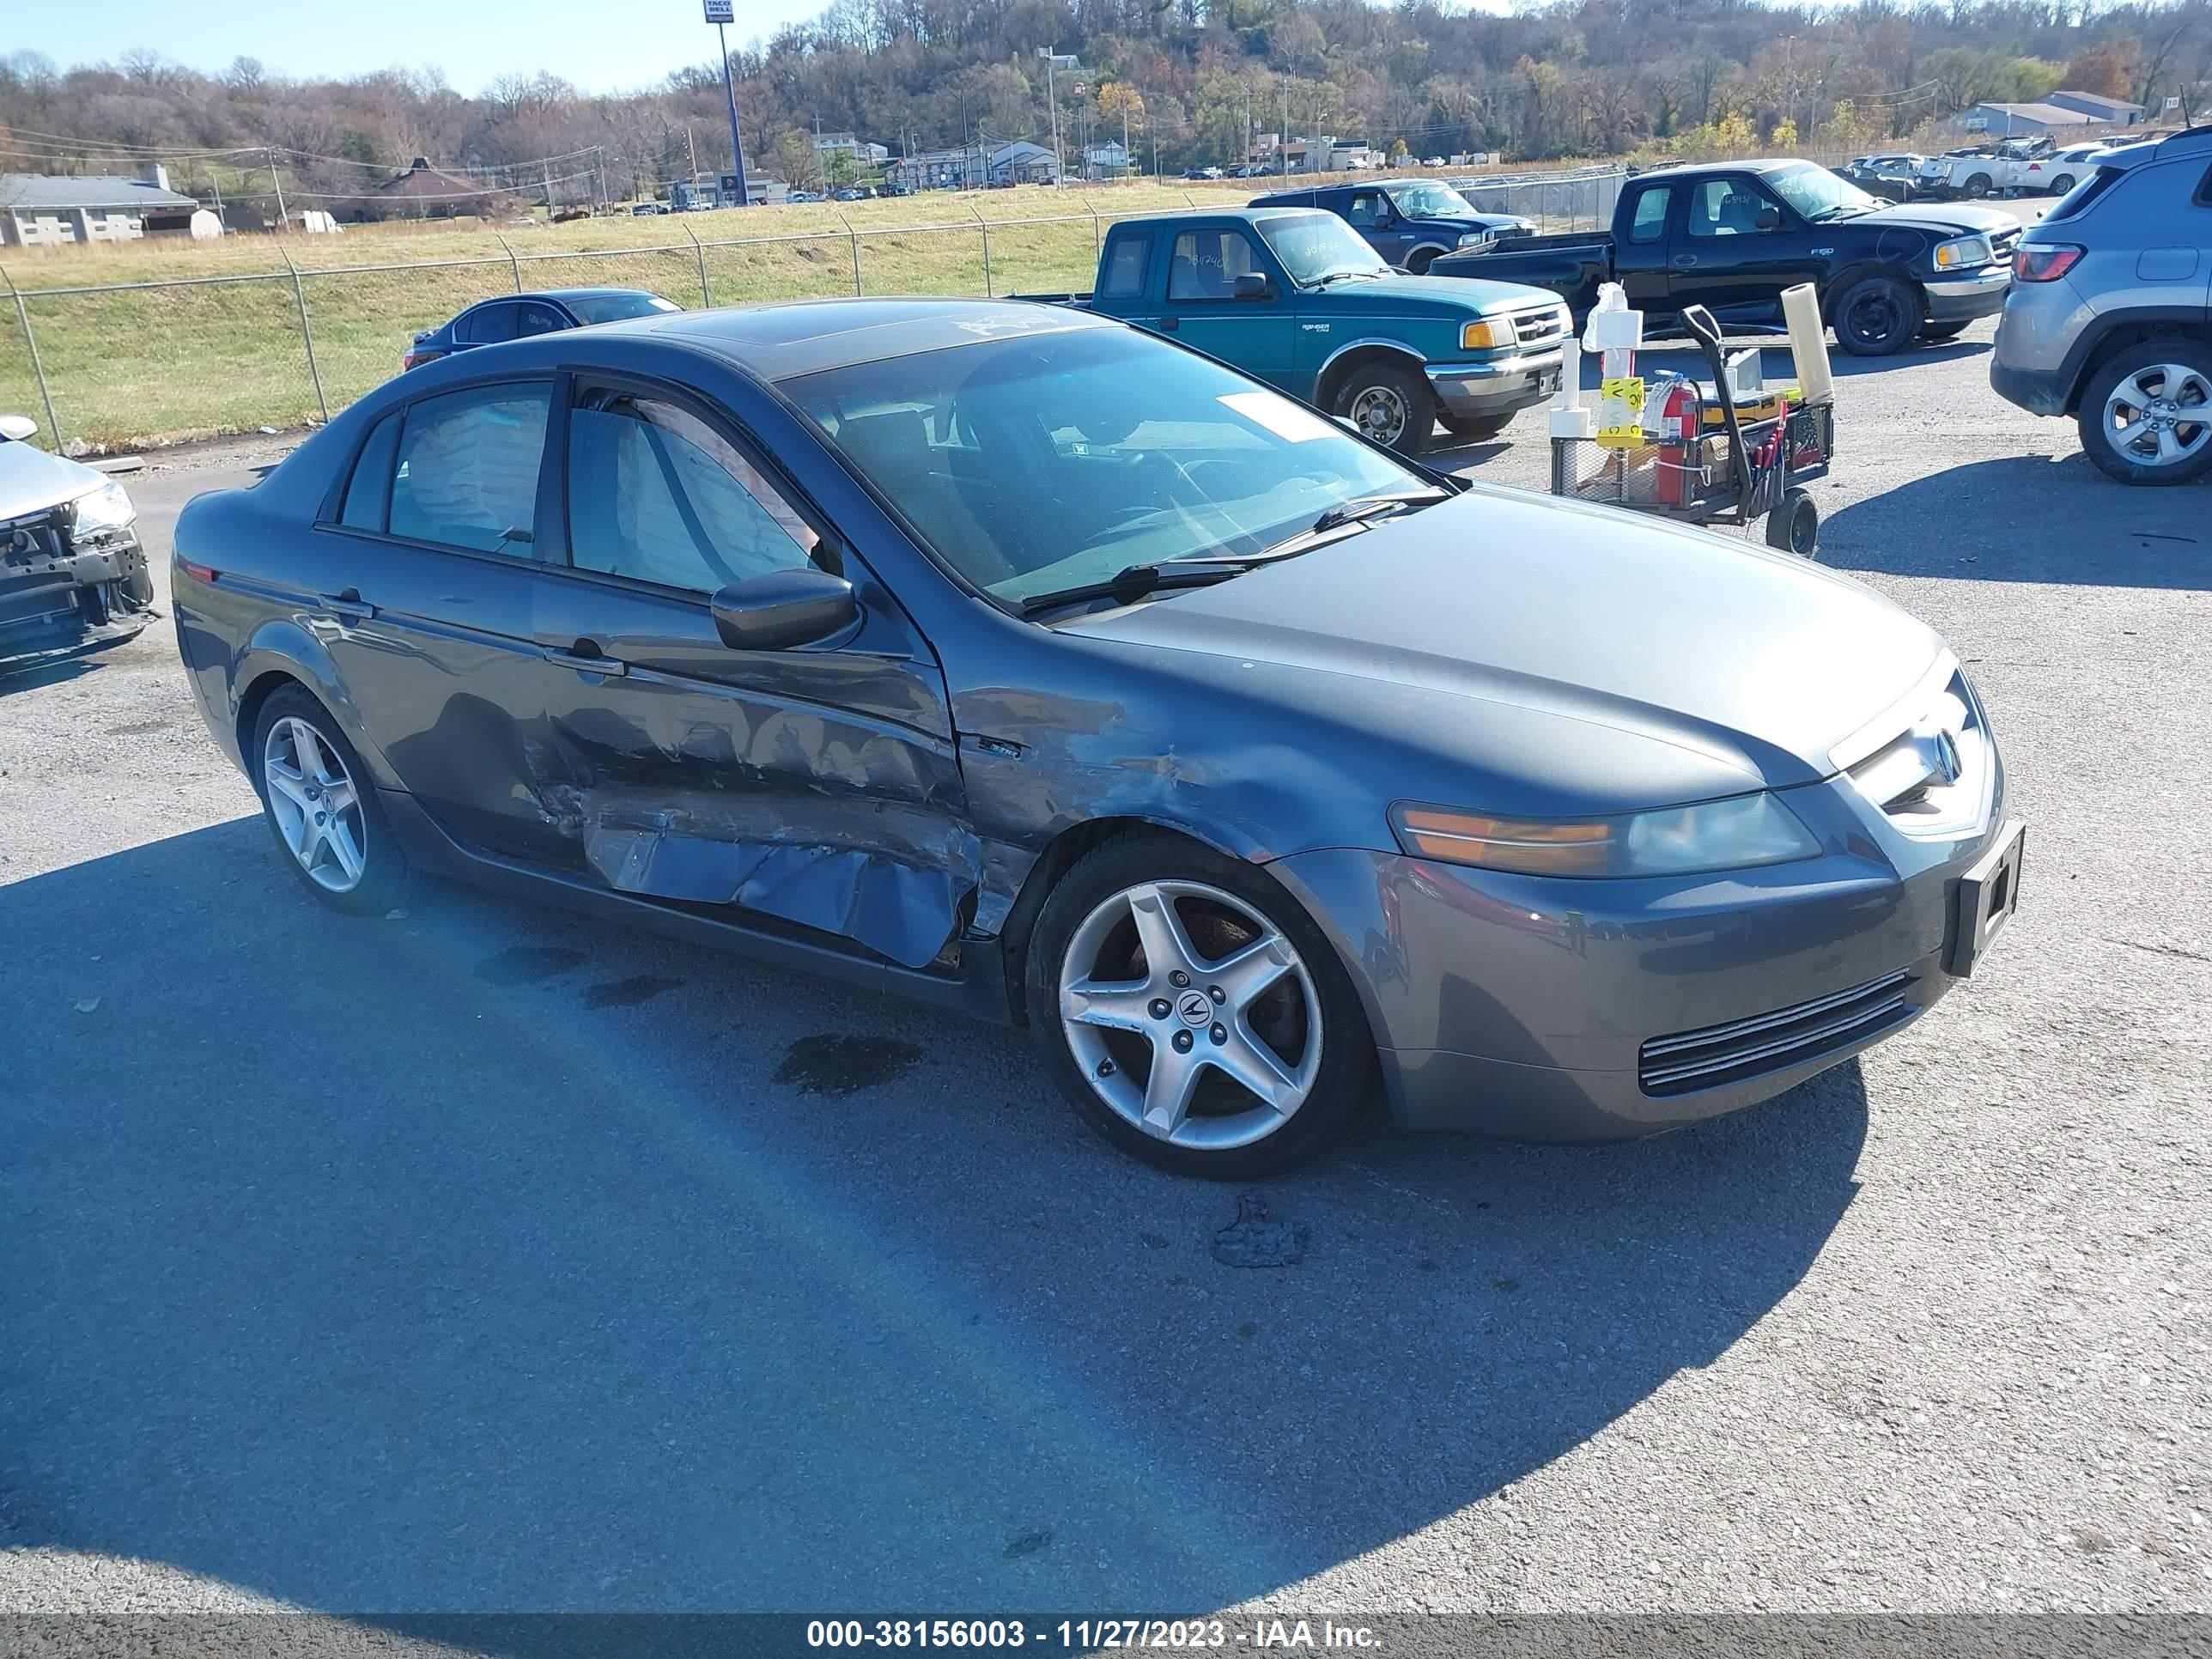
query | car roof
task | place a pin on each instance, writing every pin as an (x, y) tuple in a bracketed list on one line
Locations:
[(781, 339)]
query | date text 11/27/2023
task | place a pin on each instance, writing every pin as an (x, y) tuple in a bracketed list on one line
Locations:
[(1084, 1635)]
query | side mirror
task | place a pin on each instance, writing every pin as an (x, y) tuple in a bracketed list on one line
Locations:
[(1769, 217), (18, 428), (1254, 285), (783, 609)]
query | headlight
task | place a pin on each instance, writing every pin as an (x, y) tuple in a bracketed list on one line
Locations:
[(105, 508), (1736, 833), (1480, 337), (1475, 239), (1961, 251)]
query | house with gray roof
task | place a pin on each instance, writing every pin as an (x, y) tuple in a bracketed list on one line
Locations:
[(39, 209)]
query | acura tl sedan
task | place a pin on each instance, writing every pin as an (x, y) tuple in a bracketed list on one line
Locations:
[(1010, 658)]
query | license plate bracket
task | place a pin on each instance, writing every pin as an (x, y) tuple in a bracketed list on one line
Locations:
[(1983, 901)]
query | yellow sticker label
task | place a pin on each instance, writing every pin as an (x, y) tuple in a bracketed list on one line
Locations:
[(1629, 389), (1621, 437)]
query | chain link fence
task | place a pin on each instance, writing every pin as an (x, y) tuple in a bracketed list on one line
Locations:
[(106, 366)]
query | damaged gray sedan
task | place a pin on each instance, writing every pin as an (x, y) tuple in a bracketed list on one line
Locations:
[(72, 571), (1032, 666)]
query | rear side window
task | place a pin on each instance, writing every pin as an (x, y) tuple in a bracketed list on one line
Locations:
[(536, 317), (1368, 209), (486, 325), (1649, 223), (370, 490), (656, 494), (467, 475), (1125, 266), (1208, 263)]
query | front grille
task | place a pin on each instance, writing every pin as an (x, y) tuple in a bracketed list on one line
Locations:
[(2003, 242), (1539, 327), (1933, 779), (1747, 1048)]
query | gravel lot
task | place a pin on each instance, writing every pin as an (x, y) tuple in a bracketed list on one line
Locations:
[(487, 1259)]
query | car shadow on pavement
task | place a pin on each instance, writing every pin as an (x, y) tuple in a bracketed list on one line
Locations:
[(2025, 518), (481, 1258)]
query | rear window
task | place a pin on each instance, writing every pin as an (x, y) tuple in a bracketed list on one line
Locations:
[(486, 325), (1649, 223), (1125, 266), (2087, 190)]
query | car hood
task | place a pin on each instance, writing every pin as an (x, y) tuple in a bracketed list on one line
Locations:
[(1952, 219), (1510, 651), (31, 480), (1441, 295)]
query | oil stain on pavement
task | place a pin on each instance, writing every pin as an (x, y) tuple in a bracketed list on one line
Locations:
[(628, 993), (832, 1063)]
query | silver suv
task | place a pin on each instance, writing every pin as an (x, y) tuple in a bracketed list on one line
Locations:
[(2110, 316)]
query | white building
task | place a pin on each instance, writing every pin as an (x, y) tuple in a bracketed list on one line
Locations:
[(827, 144), (42, 210), (976, 167)]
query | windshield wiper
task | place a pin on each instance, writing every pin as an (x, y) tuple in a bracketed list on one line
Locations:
[(1139, 580), (1360, 508), (1327, 278)]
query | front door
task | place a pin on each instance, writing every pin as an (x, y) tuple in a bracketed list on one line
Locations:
[(1739, 248), (815, 788), (1203, 310), (1371, 214)]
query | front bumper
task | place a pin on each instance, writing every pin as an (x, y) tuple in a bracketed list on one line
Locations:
[(53, 591), (1538, 1009), (1498, 386), (1962, 299)]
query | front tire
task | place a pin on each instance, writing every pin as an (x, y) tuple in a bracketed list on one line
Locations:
[(1193, 1013), (2146, 415), (1980, 185), (322, 808), (1389, 404), (1877, 316)]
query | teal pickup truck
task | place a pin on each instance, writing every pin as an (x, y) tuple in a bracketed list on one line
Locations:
[(1292, 296)]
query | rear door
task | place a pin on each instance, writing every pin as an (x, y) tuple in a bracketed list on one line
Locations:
[(486, 325), (1740, 246), (1257, 336), (815, 788), (1640, 250)]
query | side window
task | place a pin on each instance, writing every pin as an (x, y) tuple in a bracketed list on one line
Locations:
[(1649, 223), (1208, 263), (536, 317), (656, 494), (1725, 207), (1126, 266), (369, 490), (468, 469), (486, 325), (1368, 210)]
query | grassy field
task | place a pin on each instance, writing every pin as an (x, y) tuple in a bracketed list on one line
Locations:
[(215, 343)]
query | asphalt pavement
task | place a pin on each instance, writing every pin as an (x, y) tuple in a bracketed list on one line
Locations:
[(483, 1258)]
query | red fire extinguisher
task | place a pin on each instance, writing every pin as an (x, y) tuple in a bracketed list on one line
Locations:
[(1679, 422)]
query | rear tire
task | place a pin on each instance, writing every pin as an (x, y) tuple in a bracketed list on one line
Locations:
[(2063, 184), (1876, 316), (321, 807), (2161, 381), (1390, 404), (1144, 923), (1475, 429), (1795, 526), (1980, 185)]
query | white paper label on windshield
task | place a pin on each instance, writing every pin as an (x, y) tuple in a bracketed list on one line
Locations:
[(1280, 415)]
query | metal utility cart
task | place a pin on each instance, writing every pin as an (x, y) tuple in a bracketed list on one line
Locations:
[(1743, 471)]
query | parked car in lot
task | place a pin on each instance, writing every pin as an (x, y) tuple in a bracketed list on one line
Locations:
[(71, 567), (2069, 166), (1894, 177), (1032, 666), (2108, 320), (519, 316), (1733, 236), (1409, 222), (2014, 166), (1292, 297), (648, 210)]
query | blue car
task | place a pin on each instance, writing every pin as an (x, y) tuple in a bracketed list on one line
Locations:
[(1409, 222), (519, 316)]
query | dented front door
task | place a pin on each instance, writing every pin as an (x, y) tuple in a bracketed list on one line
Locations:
[(816, 788)]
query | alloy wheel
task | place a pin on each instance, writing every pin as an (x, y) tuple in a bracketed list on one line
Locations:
[(2160, 414), (1380, 413), (1191, 1015), (315, 805)]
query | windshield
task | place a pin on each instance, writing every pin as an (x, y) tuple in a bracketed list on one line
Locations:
[(618, 307), (1315, 246), (1044, 461), (1428, 200), (1815, 191)]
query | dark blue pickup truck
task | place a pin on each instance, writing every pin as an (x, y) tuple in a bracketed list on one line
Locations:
[(1409, 222)]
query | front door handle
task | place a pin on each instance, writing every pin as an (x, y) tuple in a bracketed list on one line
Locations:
[(1686, 260), (1168, 324), (348, 605), (587, 662)]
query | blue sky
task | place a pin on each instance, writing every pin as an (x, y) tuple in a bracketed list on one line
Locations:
[(598, 46)]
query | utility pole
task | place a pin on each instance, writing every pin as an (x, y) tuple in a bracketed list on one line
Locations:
[(1247, 156), (1051, 97), (720, 14), (276, 180), (692, 144), (1283, 138)]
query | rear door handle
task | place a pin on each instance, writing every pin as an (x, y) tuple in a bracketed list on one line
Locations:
[(348, 605), (610, 666)]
